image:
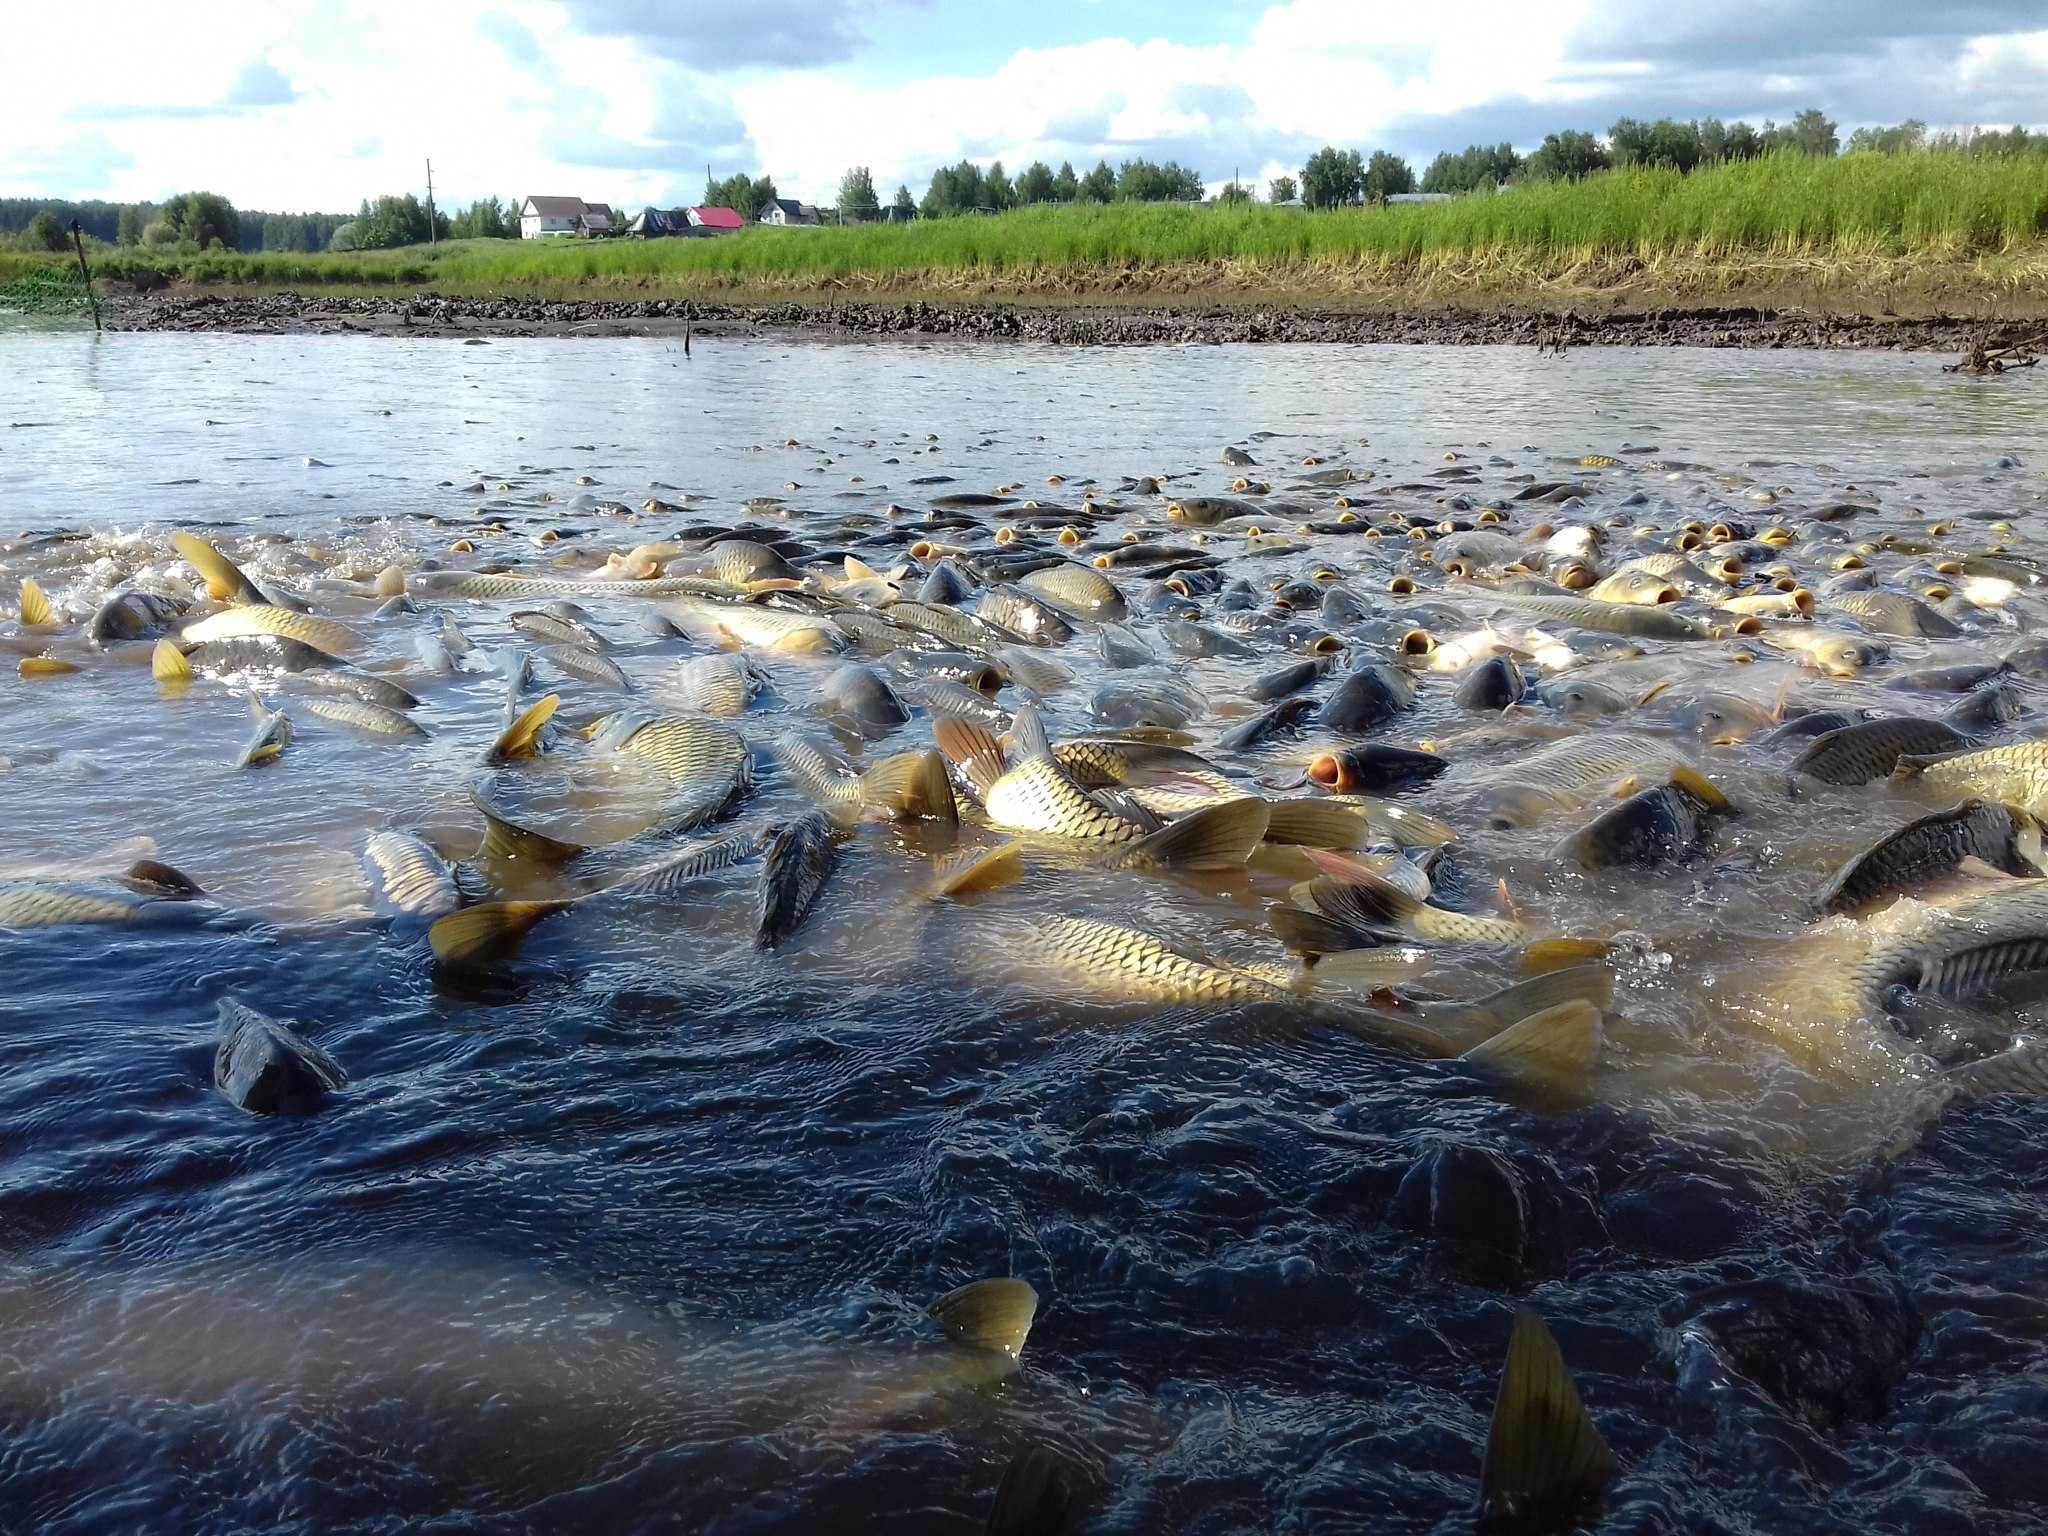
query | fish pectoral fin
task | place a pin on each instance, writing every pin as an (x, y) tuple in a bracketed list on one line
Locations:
[(978, 754), (1214, 837), (910, 785), (995, 1315), (1312, 935), (1552, 1050), (465, 937), (1544, 1454), (36, 609), (1592, 984), (858, 569), (1316, 823), (1702, 789), (508, 840), (521, 739), (1974, 868)]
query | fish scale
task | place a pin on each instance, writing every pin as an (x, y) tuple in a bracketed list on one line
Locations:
[(408, 878), (708, 764)]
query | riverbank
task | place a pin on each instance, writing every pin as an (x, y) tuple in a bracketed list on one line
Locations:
[(1079, 324)]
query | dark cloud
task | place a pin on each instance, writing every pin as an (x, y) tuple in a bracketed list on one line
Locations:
[(721, 34), (260, 84), (1786, 36)]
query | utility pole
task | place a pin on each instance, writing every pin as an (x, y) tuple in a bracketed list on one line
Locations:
[(433, 234)]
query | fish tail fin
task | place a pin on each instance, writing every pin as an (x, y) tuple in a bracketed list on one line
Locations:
[(1316, 823), (36, 609), (464, 937), (1553, 1049), (1214, 837), (979, 755), (224, 579), (1701, 788), (168, 664), (1912, 766), (983, 870), (1544, 1454), (994, 1315), (1313, 935), (521, 739), (910, 785), (1027, 733), (505, 839), (45, 666), (256, 709)]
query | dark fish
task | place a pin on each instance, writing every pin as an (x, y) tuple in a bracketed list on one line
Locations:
[(1658, 826), (1292, 678), (1870, 749), (268, 1068), (1287, 715), (1374, 769), (799, 856), (1493, 685), (1922, 851), (1369, 697)]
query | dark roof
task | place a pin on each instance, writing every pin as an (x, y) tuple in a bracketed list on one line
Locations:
[(555, 207), (603, 208), (789, 206)]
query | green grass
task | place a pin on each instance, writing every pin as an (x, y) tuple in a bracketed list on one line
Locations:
[(1935, 207)]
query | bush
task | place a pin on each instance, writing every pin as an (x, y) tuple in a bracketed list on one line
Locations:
[(158, 234)]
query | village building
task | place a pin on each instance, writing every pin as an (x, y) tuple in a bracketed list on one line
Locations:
[(716, 221), (785, 213)]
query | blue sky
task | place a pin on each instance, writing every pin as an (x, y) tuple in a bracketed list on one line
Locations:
[(296, 104)]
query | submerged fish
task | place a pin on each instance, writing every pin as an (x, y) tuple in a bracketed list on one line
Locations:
[(147, 892), (799, 856)]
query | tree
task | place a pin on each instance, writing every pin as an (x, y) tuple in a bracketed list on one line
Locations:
[(1234, 192), (1332, 176), (44, 233), (158, 234), (857, 195), (1066, 186), (204, 218), (1281, 189), (133, 217), (1566, 156), (1144, 181), (1811, 133), (1742, 143), (1098, 186), (744, 195), (343, 238), (904, 202), (1035, 185), (997, 189), (1909, 137), (1475, 166), (958, 188), (1387, 175)]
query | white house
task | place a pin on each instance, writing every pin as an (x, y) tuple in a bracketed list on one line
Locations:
[(789, 214), (543, 216)]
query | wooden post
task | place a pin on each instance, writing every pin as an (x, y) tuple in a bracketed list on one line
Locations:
[(78, 244), (433, 235)]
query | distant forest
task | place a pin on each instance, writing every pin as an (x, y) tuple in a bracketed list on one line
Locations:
[(257, 231)]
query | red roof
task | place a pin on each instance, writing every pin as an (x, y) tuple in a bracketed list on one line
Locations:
[(718, 218)]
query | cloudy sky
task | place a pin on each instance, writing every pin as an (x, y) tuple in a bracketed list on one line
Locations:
[(315, 104)]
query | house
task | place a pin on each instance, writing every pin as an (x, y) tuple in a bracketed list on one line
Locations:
[(785, 213), (715, 221), (896, 215), (597, 219), (544, 216), (651, 223), (1419, 197)]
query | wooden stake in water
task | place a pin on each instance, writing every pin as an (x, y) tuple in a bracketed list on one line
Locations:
[(78, 244)]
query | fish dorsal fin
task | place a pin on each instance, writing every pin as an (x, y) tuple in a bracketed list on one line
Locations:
[(475, 933), (858, 569), (1553, 1050), (521, 739), (1544, 1455), (162, 880), (994, 1315), (1214, 837), (1366, 902), (508, 840), (910, 785), (1027, 734), (36, 609), (981, 870), (979, 754), (1312, 934), (821, 776), (1401, 873), (1316, 823), (168, 664)]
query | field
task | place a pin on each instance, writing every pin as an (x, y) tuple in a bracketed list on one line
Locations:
[(1869, 228)]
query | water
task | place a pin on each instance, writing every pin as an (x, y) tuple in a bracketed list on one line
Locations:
[(636, 1232)]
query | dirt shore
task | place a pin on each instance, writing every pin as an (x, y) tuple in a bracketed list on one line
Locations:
[(1080, 325)]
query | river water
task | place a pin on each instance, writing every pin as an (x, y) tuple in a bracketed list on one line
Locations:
[(635, 1232)]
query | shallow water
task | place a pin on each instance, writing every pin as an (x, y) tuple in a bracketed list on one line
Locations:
[(636, 1231)]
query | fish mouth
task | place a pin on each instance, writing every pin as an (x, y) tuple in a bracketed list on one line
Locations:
[(1328, 770)]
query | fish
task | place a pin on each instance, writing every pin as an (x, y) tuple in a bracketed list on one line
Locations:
[(1077, 591), (1925, 850), (1367, 698), (750, 624), (798, 859), (133, 616), (708, 763), (269, 1068), (1036, 794), (485, 585), (145, 893), (586, 666), (1374, 769), (1869, 750), (1654, 622), (1664, 825), (408, 879), (1374, 903), (37, 611), (723, 684), (1556, 776), (2016, 774), (268, 739), (267, 619), (225, 582), (904, 786), (859, 694), (370, 719)]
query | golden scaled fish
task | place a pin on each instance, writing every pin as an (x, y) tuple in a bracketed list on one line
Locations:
[(147, 892), (327, 635), (1030, 792)]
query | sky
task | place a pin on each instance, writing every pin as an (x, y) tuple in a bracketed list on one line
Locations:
[(304, 105)]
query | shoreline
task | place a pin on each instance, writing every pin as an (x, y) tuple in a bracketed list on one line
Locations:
[(1080, 324)]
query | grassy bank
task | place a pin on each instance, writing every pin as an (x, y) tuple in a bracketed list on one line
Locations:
[(1870, 222)]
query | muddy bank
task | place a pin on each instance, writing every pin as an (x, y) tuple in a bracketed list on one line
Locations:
[(482, 319)]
